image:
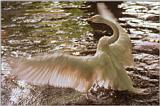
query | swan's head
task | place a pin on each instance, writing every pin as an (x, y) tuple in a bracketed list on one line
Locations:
[(96, 19), (103, 42)]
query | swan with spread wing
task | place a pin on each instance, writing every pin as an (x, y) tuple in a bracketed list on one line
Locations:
[(80, 72)]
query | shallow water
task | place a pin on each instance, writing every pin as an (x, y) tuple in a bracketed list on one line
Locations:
[(35, 27)]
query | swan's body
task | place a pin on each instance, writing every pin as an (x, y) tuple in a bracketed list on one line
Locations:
[(113, 53)]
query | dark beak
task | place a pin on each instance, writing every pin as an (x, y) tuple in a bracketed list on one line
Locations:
[(89, 20)]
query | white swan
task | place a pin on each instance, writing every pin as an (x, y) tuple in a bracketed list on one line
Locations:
[(80, 72)]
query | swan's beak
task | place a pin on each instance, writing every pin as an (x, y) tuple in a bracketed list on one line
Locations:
[(89, 20)]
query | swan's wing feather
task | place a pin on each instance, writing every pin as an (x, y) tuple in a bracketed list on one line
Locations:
[(58, 70)]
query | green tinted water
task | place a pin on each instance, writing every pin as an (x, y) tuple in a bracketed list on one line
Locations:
[(35, 27)]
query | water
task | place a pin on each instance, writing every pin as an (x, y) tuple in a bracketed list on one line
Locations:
[(35, 27)]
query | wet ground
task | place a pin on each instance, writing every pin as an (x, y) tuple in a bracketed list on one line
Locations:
[(32, 28)]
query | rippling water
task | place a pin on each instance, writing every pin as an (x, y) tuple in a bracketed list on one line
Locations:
[(35, 27), (142, 19)]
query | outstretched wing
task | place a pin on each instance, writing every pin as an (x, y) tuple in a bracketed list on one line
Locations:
[(122, 48), (58, 70)]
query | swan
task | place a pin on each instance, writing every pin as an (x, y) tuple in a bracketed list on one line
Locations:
[(80, 72)]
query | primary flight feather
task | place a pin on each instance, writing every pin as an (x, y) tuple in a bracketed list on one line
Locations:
[(80, 72)]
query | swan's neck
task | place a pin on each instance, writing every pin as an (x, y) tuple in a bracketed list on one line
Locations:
[(115, 29)]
